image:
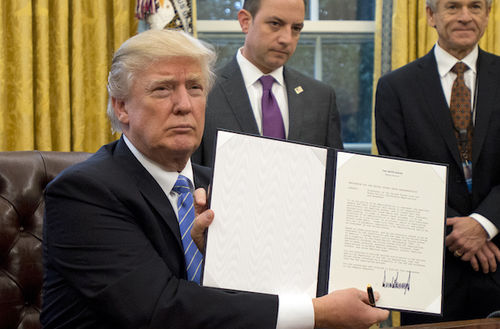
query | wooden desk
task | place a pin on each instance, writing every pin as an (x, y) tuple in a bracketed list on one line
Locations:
[(493, 323)]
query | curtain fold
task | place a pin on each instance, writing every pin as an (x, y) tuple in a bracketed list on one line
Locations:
[(53, 71), (491, 39)]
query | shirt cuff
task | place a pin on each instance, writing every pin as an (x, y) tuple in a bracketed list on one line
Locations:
[(295, 312), (488, 226)]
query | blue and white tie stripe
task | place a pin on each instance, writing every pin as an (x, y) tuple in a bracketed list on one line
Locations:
[(185, 207)]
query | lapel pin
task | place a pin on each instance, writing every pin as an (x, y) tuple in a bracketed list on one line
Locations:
[(299, 90)]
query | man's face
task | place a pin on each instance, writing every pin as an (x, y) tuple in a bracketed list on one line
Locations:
[(164, 114), (459, 24), (272, 35)]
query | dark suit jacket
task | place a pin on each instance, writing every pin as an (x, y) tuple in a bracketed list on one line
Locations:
[(413, 121), (313, 113), (113, 256)]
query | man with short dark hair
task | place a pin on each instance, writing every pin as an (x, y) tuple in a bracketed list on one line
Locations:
[(119, 249), (445, 107), (303, 110)]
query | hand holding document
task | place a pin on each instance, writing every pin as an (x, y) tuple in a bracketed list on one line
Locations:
[(294, 218)]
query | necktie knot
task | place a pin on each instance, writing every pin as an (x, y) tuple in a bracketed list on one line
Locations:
[(267, 82), (459, 68), (182, 185)]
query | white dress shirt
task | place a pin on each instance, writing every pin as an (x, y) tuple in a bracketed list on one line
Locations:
[(294, 311), (251, 75), (166, 179), (445, 63)]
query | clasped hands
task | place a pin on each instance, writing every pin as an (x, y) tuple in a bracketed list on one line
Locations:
[(469, 241)]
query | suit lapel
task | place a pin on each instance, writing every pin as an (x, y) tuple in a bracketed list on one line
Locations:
[(430, 83), (488, 76), (296, 106), (233, 86), (149, 188)]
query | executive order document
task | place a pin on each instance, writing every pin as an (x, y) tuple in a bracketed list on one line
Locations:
[(388, 230), (295, 218)]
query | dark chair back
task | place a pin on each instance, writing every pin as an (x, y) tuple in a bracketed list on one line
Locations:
[(23, 177)]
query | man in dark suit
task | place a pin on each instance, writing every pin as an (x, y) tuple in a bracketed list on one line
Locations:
[(415, 113), (117, 250), (307, 107)]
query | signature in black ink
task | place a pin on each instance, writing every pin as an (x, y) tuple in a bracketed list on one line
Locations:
[(395, 284)]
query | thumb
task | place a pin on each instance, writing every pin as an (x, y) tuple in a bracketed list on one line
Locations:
[(200, 225), (200, 200)]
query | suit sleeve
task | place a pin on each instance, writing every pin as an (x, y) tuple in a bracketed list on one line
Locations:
[(389, 125), (490, 207), (95, 240)]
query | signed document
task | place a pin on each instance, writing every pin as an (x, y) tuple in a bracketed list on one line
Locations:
[(293, 218), (388, 230)]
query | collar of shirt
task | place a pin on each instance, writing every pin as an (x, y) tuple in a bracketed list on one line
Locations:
[(446, 61), (251, 75), (166, 179)]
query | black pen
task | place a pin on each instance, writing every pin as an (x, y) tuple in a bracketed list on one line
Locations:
[(371, 296)]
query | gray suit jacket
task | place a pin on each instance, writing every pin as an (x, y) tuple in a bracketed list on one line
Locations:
[(313, 114)]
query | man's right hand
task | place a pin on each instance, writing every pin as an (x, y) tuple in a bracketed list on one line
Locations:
[(346, 308), (203, 219)]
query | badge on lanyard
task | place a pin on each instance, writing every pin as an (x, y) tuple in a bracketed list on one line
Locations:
[(467, 166)]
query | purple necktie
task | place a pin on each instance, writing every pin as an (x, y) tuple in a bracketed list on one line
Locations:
[(272, 122)]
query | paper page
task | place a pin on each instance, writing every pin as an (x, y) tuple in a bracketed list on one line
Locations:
[(267, 197), (388, 230)]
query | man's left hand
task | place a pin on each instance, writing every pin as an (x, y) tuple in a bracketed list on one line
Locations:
[(466, 238)]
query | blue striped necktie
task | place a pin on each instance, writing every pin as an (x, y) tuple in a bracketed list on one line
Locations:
[(185, 207)]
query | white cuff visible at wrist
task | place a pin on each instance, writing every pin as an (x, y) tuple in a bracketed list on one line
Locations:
[(295, 312), (488, 226)]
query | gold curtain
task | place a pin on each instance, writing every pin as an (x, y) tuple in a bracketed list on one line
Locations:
[(53, 70), (412, 37)]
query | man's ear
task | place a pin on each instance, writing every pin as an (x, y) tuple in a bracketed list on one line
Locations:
[(245, 19), (121, 111), (430, 17)]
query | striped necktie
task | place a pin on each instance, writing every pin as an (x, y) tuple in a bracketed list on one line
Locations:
[(185, 208)]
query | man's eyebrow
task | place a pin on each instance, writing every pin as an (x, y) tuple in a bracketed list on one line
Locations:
[(195, 78), (166, 79), (192, 76), (276, 18), (159, 82), (171, 80), (281, 21)]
